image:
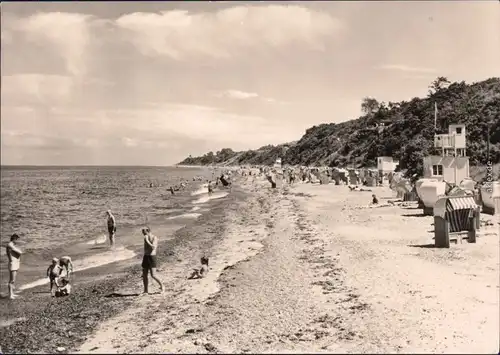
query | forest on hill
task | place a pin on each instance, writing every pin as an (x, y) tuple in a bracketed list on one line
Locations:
[(403, 130)]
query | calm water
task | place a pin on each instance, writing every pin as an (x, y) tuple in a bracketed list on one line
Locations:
[(64, 205)]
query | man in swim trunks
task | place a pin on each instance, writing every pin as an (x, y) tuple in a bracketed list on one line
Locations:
[(65, 262), (149, 262), (111, 227), (14, 257), (210, 188)]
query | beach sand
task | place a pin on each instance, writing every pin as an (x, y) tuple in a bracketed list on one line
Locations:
[(313, 269)]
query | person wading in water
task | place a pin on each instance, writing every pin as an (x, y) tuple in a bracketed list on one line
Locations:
[(111, 228)]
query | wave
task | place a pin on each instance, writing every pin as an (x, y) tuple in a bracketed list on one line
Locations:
[(102, 239), (202, 190), (214, 196), (186, 215)]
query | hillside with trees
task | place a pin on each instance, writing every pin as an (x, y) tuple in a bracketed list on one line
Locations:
[(403, 130)]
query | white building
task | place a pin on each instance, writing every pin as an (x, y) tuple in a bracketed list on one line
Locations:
[(386, 164), (447, 168), (453, 164)]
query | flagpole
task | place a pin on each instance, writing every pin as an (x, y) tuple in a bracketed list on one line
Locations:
[(435, 117)]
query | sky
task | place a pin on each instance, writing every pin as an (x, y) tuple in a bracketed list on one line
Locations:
[(88, 83)]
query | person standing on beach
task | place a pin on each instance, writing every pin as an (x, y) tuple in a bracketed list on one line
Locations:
[(65, 262), (14, 257), (53, 273), (111, 228), (149, 262)]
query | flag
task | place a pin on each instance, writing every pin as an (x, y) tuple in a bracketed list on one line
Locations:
[(435, 115)]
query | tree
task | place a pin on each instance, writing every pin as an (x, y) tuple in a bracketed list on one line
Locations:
[(439, 84), (369, 105)]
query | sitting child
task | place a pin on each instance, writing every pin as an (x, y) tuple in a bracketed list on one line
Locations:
[(53, 272), (375, 199), (64, 289), (202, 271)]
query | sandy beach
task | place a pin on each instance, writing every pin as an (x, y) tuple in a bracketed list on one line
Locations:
[(312, 269)]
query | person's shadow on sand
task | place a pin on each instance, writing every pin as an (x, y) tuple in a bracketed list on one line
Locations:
[(125, 294)]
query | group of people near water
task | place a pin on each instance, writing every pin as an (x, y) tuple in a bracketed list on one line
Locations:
[(61, 269), (59, 284)]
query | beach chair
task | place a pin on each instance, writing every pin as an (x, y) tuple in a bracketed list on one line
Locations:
[(455, 216), (411, 196)]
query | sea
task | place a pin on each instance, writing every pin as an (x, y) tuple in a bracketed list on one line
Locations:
[(60, 211)]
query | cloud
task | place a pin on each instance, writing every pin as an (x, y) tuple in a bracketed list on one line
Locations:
[(40, 88), (242, 95), (196, 122), (222, 34), (146, 128), (69, 34), (19, 139), (6, 37), (236, 94), (406, 68)]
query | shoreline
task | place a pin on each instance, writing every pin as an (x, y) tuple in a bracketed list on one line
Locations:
[(66, 322)]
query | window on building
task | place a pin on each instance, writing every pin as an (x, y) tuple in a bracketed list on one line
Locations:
[(437, 170), (459, 130)]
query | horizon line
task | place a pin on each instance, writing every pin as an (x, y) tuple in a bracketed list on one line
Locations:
[(85, 165)]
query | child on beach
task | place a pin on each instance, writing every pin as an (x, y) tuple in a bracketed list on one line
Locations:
[(202, 271), (374, 199), (64, 288), (53, 273)]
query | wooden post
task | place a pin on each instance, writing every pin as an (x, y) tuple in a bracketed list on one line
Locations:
[(441, 232), (477, 212), (472, 228)]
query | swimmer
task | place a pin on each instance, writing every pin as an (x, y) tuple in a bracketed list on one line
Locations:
[(111, 227), (14, 257), (210, 188), (53, 273)]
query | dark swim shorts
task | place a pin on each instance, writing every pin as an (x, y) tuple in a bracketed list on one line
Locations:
[(111, 229), (149, 262)]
